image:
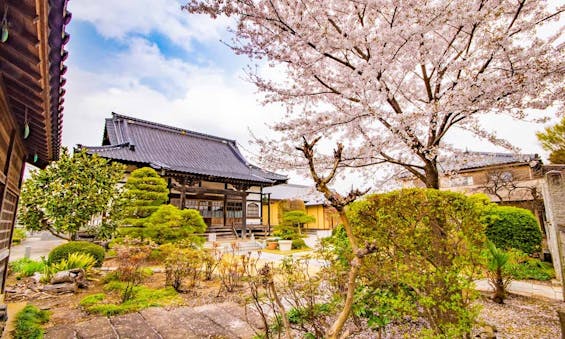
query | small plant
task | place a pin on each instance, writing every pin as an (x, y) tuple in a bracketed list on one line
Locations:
[(84, 261), (26, 267), (131, 255), (297, 219), (28, 323), (183, 265), (232, 268), (62, 251), (524, 267), (498, 276), (211, 259)]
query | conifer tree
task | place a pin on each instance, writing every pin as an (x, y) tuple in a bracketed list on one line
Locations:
[(144, 192)]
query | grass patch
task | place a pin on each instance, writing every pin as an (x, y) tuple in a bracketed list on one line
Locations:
[(300, 250), (144, 297), (28, 323), (26, 267)]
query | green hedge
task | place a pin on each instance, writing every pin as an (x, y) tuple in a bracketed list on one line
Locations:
[(512, 227), (62, 251)]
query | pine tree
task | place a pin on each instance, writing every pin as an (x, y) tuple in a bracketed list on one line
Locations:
[(144, 192)]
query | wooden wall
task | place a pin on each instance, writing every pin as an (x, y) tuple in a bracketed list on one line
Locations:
[(12, 158)]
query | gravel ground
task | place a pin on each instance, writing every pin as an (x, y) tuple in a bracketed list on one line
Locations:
[(520, 318)]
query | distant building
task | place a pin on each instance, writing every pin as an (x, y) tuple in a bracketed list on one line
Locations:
[(507, 178), (31, 100), (204, 172), (314, 201)]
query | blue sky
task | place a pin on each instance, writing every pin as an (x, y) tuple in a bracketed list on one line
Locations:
[(149, 59)]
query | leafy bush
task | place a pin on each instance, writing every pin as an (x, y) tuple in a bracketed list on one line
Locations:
[(74, 260), (26, 267), (426, 246), (18, 236), (28, 323), (62, 251), (512, 227), (142, 297)]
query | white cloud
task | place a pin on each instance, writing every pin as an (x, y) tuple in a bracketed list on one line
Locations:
[(122, 18), (206, 99)]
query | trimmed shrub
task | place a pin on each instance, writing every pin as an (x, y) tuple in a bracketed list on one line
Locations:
[(512, 227), (62, 251), (298, 244), (28, 323)]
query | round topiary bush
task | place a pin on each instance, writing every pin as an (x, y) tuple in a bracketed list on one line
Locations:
[(62, 251), (512, 227)]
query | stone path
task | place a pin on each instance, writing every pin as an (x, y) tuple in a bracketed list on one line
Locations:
[(526, 288), (40, 245), (225, 320)]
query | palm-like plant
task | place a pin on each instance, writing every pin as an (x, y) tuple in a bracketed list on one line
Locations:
[(498, 277)]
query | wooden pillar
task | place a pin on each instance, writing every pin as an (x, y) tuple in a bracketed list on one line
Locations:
[(244, 216), (225, 209), (182, 192), (269, 212)]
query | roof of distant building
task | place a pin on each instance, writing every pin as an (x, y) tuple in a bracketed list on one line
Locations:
[(472, 160), (308, 194), (173, 149)]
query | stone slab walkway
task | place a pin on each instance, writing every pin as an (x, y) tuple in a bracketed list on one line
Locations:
[(225, 320), (526, 288)]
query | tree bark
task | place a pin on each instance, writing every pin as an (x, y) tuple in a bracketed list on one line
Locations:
[(356, 262)]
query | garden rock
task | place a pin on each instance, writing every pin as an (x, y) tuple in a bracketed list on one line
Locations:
[(61, 288), (75, 275)]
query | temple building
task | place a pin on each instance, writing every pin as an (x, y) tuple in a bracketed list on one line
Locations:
[(204, 172), (32, 55)]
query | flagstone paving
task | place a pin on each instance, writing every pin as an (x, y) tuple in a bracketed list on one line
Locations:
[(225, 320)]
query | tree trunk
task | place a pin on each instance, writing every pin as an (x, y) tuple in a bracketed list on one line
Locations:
[(338, 324), (432, 175), (499, 292)]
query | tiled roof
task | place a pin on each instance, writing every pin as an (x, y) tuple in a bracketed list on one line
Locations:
[(178, 150), (308, 194), (472, 160)]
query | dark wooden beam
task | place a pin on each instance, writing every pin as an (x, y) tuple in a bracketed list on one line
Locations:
[(22, 79), (15, 47), (25, 101), (18, 86), (22, 8)]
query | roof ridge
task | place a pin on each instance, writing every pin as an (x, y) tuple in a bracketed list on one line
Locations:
[(169, 128), (499, 153)]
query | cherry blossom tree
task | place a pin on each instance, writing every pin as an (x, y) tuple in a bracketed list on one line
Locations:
[(391, 78)]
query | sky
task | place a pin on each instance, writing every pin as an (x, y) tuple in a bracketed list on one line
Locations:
[(150, 60)]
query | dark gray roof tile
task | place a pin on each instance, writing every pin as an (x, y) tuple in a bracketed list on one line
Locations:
[(179, 150)]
